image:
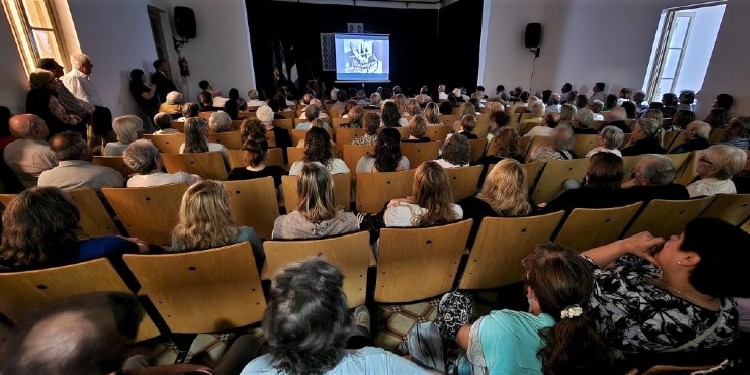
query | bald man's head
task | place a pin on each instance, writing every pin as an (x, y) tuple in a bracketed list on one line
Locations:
[(306, 98), (616, 114), (28, 126)]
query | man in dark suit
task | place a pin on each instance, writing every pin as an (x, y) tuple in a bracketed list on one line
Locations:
[(164, 84)]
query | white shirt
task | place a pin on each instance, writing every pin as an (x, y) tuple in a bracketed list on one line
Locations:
[(336, 166), (322, 115), (255, 103), (161, 178), (442, 96), (445, 164), (542, 130), (711, 186), (219, 101), (552, 108), (601, 95), (28, 158), (367, 164), (211, 148), (598, 117), (602, 149), (402, 214), (82, 87)]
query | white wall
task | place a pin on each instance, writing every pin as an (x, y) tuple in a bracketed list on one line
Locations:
[(586, 41), (15, 85)]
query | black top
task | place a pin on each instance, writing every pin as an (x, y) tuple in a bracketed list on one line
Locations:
[(585, 197), (243, 173), (585, 131), (644, 146), (416, 140), (476, 209), (164, 85), (468, 135), (488, 160), (210, 108), (37, 103), (647, 193), (150, 106), (694, 144), (621, 125)]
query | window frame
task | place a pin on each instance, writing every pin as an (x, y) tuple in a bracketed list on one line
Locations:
[(24, 43)]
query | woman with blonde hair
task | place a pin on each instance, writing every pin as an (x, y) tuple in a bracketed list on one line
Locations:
[(127, 128), (417, 130), (430, 204), (316, 215), (431, 114), (355, 117), (205, 222), (504, 193), (655, 114)]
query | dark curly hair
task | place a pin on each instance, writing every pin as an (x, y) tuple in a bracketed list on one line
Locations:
[(390, 115), (388, 150), (317, 146), (456, 150)]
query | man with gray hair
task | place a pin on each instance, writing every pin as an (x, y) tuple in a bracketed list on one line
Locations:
[(610, 139), (145, 159), (312, 112), (696, 138), (74, 169), (583, 119), (562, 139), (553, 103), (653, 178), (29, 155), (78, 82), (596, 107), (374, 100), (315, 102), (253, 99)]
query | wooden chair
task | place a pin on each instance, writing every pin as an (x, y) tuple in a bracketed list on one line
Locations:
[(688, 171), (168, 143), (732, 208), (95, 220), (148, 213), (477, 148), (345, 136), (352, 154), (672, 139), (533, 170), (374, 190), (337, 121), (202, 291), (554, 175), (434, 251), (528, 124), (286, 114), (464, 181), (598, 124), (534, 143), (342, 191), (179, 125), (716, 136), (583, 143), (114, 162), (6, 198), (417, 153), (298, 121), (253, 203), (525, 116), (207, 165), (231, 140), (483, 125), (351, 253), (628, 165), (294, 154), (298, 135), (448, 120), (403, 132), (26, 292), (286, 123), (273, 157), (500, 245), (652, 218), (206, 115), (437, 133), (237, 124), (587, 228)]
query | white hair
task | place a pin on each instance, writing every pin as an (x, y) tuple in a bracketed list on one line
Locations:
[(174, 97), (702, 129), (219, 122), (77, 59), (127, 127)]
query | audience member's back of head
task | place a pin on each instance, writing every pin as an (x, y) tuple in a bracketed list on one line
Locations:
[(69, 145), (190, 109)]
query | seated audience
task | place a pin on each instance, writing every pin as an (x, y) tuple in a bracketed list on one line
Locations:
[(561, 148), (582, 123), (219, 122), (390, 116), (446, 108), (497, 120), (144, 93), (718, 118), (316, 102), (695, 136), (599, 189), (163, 122), (312, 112), (610, 139), (318, 149), (723, 101), (374, 100), (553, 103), (669, 100), (655, 114), (536, 108), (206, 87), (568, 113), (652, 178), (255, 154), (29, 155), (596, 107), (417, 130), (639, 99), (74, 169), (196, 141), (355, 116), (645, 139), (253, 99), (145, 159), (456, 152), (412, 109), (680, 120), (504, 193), (737, 133), (616, 117), (40, 230), (371, 124), (686, 99), (387, 156), (680, 292), (549, 122), (128, 129), (281, 135), (431, 114), (173, 103), (316, 214), (307, 326), (234, 96), (599, 93), (581, 101), (504, 146), (610, 102), (465, 127), (431, 202), (190, 109), (630, 110), (556, 336), (715, 168), (339, 106), (205, 222), (206, 101), (43, 101)]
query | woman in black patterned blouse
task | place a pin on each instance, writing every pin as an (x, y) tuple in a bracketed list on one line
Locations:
[(675, 296)]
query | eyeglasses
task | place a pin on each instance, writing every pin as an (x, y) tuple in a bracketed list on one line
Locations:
[(703, 159)]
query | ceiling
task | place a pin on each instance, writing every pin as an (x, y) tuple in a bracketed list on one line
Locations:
[(400, 4)]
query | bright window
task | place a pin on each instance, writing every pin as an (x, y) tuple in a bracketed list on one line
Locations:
[(36, 31)]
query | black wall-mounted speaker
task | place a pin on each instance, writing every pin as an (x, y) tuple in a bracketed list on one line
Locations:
[(184, 22), (533, 35)]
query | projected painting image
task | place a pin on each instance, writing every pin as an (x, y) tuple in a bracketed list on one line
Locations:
[(363, 56)]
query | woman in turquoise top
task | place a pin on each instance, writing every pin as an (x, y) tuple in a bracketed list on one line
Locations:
[(556, 336)]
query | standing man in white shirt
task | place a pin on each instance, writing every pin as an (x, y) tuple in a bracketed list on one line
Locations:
[(78, 82)]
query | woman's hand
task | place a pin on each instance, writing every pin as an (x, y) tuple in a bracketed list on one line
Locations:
[(142, 245), (628, 184), (642, 245), (398, 201)]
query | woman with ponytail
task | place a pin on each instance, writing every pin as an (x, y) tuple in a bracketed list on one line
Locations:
[(557, 336)]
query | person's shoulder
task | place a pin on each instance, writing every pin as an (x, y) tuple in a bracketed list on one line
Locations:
[(260, 365)]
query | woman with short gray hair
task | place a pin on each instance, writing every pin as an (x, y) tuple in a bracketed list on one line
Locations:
[(127, 128), (145, 159), (610, 139), (716, 167), (219, 122)]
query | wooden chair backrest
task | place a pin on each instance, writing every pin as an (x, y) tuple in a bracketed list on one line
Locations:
[(500, 245), (95, 220), (298, 135), (337, 121), (434, 251), (134, 205), (286, 114), (342, 191), (224, 281), (168, 143), (350, 253), (6, 198), (732, 208), (298, 121), (237, 124), (688, 170), (231, 140), (345, 136), (598, 124), (352, 154), (437, 133), (535, 142), (672, 139), (374, 190), (483, 125), (114, 162), (716, 136), (477, 147), (273, 157), (253, 203), (207, 165), (653, 220), (554, 175), (533, 170), (587, 228), (583, 143), (294, 154), (464, 181), (528, 124), (628, 165), (205, 114), (286, 123), (448, 120), (403, 132), (179, 125), (417, 153), (26, 292)]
